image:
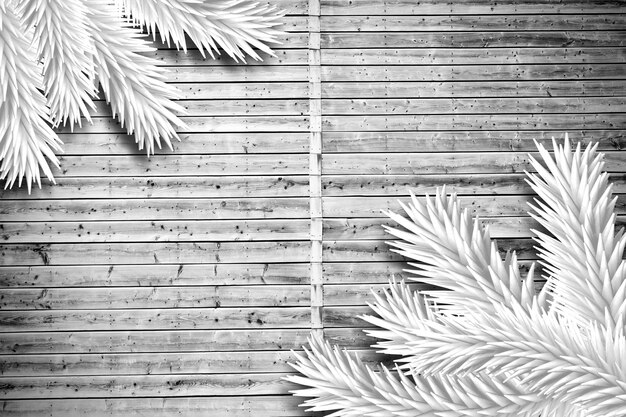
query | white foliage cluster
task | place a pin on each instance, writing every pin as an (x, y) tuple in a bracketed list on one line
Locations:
[(66, 48), (484, 343)]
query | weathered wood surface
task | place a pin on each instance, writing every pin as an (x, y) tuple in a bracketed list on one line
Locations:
[(467, 56), (205, 274), (474, 89), (249, 406), (178, 285), (472, 7), (478, 22)]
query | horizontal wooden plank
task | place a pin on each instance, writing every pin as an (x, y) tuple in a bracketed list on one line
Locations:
[(474, 72), (468, 56), (156, 364), (190, 143), (560, 122), (143, 386), (156, 319), (181, 165), (208, 124), (474, 89), (368, 229), (242, 90), (167, 187), (282, 73), (153, 297), (364, 274), (173, 57), (444, 163), (474, 7), (291, 7), (349, 337), (431, 163), (379, 250), (256, 107), (346, 316), (483, 184), (496, 205), (358, 295), (145, 363), (155, 275), (153, 209), (390, 142), (249, 406), (479, 22), (155, 231), (136, 341), (474, 39), (153, 253), (474, 105), (364, 229)]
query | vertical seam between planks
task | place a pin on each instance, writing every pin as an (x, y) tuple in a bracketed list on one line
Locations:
[(315, 170)]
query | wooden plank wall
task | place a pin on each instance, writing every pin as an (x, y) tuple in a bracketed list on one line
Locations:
[(178, 285), (416, 95)]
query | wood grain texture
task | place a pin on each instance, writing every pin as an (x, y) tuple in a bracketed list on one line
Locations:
[(249, 406), (466, 56), (154, 207), (110, 187), (154, 253), (154, 276), (474, 89), (478, 22), (549, 39), (179, 284), (464, 141), (474, 72), (473, 7), (190, 143)]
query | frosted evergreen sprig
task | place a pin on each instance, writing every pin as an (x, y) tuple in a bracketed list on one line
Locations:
[(131, 82), (236, 26), (27, 142), (80, 44), (61, 33), (559, 352)]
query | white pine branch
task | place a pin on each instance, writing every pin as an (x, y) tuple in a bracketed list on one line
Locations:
[(582, 253), (340, 382), (133, 85), (65, 46), (549, 355), (402, 314), (237, 26), (455, 252), (26, 139)]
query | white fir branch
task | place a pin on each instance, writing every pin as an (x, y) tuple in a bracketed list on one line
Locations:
[(64, 46), (27, 142), (236, 26), (131, 82), (581, 251), (456, 253), (402, 314), (80, 43), (339, 381), (585, 367), (566, 357)]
